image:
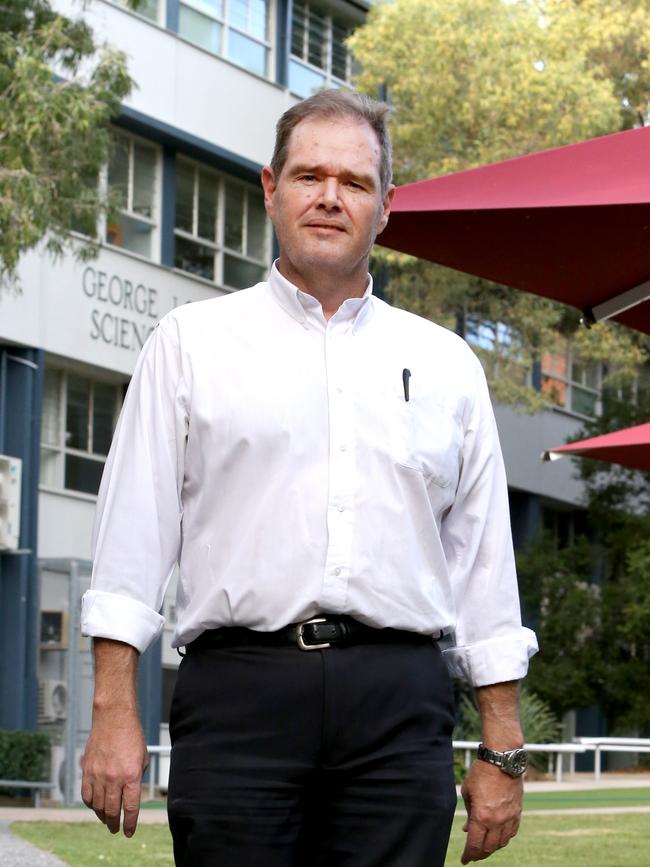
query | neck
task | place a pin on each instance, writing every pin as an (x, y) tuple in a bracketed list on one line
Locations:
[(330, 289)]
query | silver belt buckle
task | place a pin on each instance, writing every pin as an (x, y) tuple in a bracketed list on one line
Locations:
[(299, 633)]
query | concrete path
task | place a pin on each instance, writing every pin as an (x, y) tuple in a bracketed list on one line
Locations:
[(15, 852)]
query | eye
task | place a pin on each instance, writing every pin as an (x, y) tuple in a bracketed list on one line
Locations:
[(355, 185), (307, 178)]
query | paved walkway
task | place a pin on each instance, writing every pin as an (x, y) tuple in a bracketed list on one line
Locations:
[(15, 852)]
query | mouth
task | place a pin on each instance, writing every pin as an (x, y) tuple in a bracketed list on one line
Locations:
[(321, 225)]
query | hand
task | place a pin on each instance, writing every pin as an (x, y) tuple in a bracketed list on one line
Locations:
[(113, 764), (493, 801)]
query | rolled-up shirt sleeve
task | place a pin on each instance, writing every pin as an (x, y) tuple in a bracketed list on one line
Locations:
[(490, 644), (137, 531)]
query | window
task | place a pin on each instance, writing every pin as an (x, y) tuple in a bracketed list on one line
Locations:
[(221, 227), (133, 181), (319, 56), (236, 29), (79, 417), (489, 335), (571, 384), (499, 348), (147, 8)]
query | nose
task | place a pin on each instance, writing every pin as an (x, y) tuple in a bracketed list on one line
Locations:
[(329, 197)]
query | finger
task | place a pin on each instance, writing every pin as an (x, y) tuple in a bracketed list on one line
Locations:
[(492, 841), (131, 806), (508, 831), (112, 809), (87, 791), (98, 801), (474, 843)]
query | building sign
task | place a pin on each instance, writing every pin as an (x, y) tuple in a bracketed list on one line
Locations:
[(119, 302), (99, 312)]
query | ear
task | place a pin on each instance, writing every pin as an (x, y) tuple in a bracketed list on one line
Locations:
[(386, 206), (269, 187)]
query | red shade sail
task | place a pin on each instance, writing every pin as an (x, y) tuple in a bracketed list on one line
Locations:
[(629, 447), (572, 224)]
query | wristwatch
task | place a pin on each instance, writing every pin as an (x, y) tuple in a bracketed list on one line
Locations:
[(511, 762)]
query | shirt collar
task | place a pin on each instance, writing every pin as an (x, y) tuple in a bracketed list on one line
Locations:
[(306, 309)]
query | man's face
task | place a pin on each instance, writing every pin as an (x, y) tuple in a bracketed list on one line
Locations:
[(327, 206)]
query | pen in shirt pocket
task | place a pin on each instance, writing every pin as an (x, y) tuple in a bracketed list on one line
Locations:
[(406, 375)]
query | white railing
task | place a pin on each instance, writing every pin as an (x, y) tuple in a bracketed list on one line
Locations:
[(154, 766), (555, 752), (612, 745)]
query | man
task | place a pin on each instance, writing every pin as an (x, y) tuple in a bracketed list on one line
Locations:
[(326, 471)]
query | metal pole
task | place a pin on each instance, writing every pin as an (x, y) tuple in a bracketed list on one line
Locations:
[(153, 774), (72, 722)]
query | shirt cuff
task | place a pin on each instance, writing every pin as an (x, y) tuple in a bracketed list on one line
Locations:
[(109, 615), (493, 661)]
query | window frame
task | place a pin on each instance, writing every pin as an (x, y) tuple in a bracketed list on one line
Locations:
[(219, 245), (570, 383), (226, 27), (153, 222), (161, 10), (330, 80), (59, 450)]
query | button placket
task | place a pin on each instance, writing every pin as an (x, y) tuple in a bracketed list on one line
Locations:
[(341, 469)]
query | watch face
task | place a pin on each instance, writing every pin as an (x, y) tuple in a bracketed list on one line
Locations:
[(516, 762)]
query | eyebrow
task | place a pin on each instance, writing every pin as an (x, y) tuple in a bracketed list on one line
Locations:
[(307, 169)]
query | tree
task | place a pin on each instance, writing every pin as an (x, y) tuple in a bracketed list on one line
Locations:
[(476, 81), (54, 135), (559, 585)]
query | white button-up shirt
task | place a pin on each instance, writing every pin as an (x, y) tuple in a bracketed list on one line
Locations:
[(275, 457)]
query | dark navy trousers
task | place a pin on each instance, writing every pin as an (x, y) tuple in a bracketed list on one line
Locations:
[(328, 758)]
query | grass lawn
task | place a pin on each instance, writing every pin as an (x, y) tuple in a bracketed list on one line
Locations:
[(86, 844), (587, 798), (614, 840)]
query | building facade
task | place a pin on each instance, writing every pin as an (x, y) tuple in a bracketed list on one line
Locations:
[(213, 77)]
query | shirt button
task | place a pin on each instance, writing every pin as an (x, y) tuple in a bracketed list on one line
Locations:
[(341, 508), (337, 571), (342, 448), (339, 389)]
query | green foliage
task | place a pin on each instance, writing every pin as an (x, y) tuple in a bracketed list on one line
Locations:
[(58, 90), (557, 584), (593, 623), (626, 653), (538, 722), (24, 755), (477, 81)]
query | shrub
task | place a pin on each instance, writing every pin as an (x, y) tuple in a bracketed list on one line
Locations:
[(24, 755)]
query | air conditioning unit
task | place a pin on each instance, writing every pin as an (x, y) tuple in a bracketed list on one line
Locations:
[(52, 700), (10, 477), (58, 772), (54, 630)]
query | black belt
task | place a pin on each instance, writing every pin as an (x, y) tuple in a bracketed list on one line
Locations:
[(317, 633)]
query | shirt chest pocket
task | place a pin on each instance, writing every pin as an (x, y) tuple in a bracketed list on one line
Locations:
[(425, 435)]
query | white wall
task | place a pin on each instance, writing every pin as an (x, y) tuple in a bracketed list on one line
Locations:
[(96, 312), (524, 438), (64, 526), (189, 88)]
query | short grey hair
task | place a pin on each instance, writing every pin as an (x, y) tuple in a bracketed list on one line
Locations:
[(337, 103)]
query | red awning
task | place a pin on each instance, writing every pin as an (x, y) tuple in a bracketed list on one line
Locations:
[(629, 447), (572, 224)]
